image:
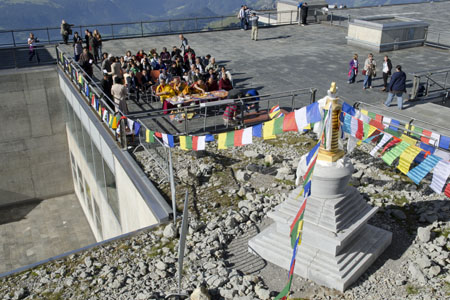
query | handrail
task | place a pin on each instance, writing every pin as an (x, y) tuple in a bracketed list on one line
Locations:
[(53, 37)]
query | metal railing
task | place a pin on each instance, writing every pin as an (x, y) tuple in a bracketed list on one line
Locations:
[(19, 57), (51, 35), (431, 83), (206, 117), (89, 90)]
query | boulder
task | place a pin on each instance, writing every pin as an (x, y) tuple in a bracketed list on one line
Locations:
[(200, 293)]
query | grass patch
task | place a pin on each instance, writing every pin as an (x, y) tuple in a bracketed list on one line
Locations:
[(401, 201), (156, 249), (285, 181), (412, 290)]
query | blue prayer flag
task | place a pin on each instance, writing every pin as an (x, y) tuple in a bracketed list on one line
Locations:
[(257, 130), (419, 172), (137, 127), (396, 123), (307, 189), (311, 153), (348, 109), (444, 142), (209, 138), (313, 113), (347, 127)]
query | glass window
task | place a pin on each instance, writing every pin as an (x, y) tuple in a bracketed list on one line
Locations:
[(78, 133), (111, 190), (88, 198), (73, 166), (98, 219), (87, 149), (69, 118), (98, 164), (80, 182)]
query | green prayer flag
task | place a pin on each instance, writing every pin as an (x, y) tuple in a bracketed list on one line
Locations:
[(278, 125), (395, 152), (229, 142)]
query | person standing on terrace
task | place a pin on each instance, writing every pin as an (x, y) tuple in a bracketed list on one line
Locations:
[(241, 17), (184, 43), (387, 68), (303, 13), (120, 93), (369, 71), (254, 22), (397, 86), (353, 69), (65, 31), (86, 61), (32, 48)]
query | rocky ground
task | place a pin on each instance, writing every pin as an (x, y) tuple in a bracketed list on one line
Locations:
[(230, 192)]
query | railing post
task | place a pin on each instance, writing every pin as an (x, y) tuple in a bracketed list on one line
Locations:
[(221, 23), (142, 29), (269, 18), (48, 36), (112, 31), (14, 55), (170, 26), (331, 20), (348, 19), (439, 37), (13, 38), (291, 19), (196, 24)]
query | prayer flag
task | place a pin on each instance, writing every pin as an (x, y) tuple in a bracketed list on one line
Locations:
[(372, 115), (278, 125), (396, 125), (347, 108), (426, 138), (275, 112), (387, 121), (440, 174), (158, 135), (195, 143), (257, 130), (114, 123), (93, 100), (427, 148), (417, 131), (364, 112), (105, 116), (185, 142), (360, 130), (384, 140), (444, 142), (395, 152), (130, 124), (229, 142), (209, 138), (435, 139), (407, 157), (442, 154), (168, 140), (418, 173), (149, 136), (111, 119), (243, 137), (390, 144), (137, 127), (378, 118), (447, 190), (377, 124), (408, 140), (347, 126), (312, 153), (221, 141), (289, 123), (364, 118), (307, 115), (268, 130)]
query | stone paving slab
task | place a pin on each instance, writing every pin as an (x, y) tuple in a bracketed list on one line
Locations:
[(35, 231)]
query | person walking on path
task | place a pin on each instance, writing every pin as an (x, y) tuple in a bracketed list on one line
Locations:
[(32, 48), (241, 16), (397, 86), (86, 61), (254, 20), (303, 13), (387, 67), (353, 71), (65, 31), (369, 71)]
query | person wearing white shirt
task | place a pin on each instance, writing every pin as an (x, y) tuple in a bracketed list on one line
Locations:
[(32, 46), (387, 67)]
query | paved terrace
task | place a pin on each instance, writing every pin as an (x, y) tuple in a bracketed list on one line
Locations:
[(292, 57)]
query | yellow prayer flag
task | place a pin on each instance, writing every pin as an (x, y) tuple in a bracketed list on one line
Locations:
[(147, 136), (308, 127), (183, 142), (364, 112), (222, 140), (268, 130), (114, 124), (407, 157), (408, 140)]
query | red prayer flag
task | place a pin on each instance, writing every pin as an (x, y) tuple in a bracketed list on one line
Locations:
[(379, 118), (377, 124), (158, 134), (194, 142), (425, 139), (391, 143), (289, 123), (360, 131), (447, 190), (93, 100), (238, 137)]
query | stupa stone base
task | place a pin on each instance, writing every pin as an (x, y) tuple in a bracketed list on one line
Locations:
[(337, 243)]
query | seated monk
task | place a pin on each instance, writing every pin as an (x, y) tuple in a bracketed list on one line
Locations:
[(211, 84), (225, 83), (164, 91), (199, 87), (180, 88)]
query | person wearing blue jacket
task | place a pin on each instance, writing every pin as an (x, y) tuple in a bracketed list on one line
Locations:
[(397, 86)]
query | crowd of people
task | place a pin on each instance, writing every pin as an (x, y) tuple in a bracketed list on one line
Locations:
[(395, 87)]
